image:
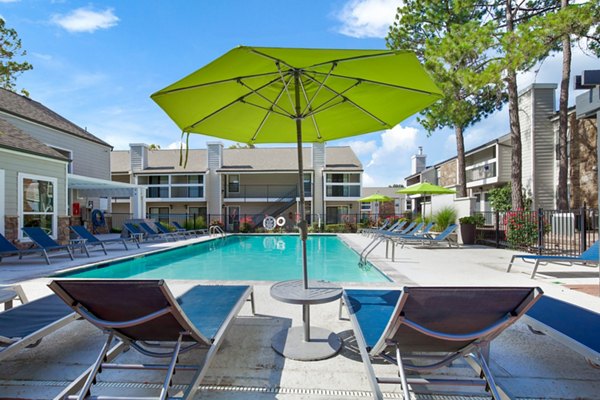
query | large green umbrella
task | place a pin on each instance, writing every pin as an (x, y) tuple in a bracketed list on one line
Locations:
[(283, 95), (426, 189)]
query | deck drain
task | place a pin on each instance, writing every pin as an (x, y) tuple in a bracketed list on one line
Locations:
[(248, 389)]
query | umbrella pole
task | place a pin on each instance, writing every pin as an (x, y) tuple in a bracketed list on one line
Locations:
[(302, 225)]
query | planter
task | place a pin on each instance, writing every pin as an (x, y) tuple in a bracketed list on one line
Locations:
[(468, 233)]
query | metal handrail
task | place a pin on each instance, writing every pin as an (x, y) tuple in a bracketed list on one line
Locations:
[(216, 230)]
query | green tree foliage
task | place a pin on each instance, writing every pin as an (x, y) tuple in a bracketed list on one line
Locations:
[(453, 41), (241, 146), (10, 50), (500, 198)]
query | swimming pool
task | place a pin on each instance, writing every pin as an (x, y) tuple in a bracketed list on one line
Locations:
[(244, 257)]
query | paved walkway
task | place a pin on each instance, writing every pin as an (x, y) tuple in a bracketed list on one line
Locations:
[(526, 365)]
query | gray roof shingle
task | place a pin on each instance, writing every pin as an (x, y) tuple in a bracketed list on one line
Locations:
[(257, 159), (24, 107), (13, 138)]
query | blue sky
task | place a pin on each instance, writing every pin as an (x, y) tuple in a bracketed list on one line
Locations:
[(96, 63)]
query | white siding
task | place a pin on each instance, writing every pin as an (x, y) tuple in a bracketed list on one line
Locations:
[(89, 158), (544, 149), (504, 163)]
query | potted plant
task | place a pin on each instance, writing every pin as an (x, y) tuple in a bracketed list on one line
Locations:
[(468, 227)]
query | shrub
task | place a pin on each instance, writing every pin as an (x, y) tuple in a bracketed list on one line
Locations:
[(245, 227), (477, 219), (522, 228), (444, 218), (197, 223)]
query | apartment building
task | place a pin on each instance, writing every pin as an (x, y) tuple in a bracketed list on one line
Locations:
[(489, 165), (230, 183)]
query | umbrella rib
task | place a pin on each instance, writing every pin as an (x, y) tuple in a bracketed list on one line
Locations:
[(312, 115), (286, 84), (226, 106), (212, 83), (264, 120), (309, 103), (274, 103), (340, 60), (370, 114), (382, 84), (321, 106), (277, 60)]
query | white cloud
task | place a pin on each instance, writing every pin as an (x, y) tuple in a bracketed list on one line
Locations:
[(367, 18), (86, 20), (176, 145), (363, 148), (395, 143), (9, 1)]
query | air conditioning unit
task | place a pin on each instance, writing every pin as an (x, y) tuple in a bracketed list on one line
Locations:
[(563, 224)]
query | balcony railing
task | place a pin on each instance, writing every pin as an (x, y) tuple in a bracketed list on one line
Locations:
[(268, 192), (481, 172)]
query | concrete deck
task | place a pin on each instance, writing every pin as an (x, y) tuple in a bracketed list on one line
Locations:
[(527, 366)]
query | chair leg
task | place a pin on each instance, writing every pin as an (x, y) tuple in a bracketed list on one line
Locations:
[(171, 370), (402, 374), (70, 251), (512, 260), (48, 258), (85, 391), (104, 249), (487, 375), (537, 263), (125, 244)]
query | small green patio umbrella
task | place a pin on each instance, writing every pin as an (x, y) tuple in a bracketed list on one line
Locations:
[(426, 189), (294, 95), (375, 198)]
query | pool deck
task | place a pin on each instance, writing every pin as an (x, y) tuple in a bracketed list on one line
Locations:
[(526, 366)]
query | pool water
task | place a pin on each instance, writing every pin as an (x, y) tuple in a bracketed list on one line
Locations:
[(264, 258)]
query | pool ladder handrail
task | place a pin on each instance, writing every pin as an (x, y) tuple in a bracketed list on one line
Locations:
[(369, 249), (216, 230)]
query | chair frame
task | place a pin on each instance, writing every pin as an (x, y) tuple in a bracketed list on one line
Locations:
[(476, 353), (45, 250), (85, 381), (102, 242)]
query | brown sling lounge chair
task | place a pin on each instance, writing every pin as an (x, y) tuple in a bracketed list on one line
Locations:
[(454, 321), (146, 316)]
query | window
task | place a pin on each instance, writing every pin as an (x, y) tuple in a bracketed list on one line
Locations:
[(197, 212), (342, 185), (160, 214), (233, 183), (37, 202), (307, 185), (187, 186), (158, 185)]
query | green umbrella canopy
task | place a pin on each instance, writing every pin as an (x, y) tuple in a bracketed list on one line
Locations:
[(426, 188), (256, 94), (284, 95), (375, 197)]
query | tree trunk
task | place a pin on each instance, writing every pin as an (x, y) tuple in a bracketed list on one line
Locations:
[(562, 195), (460, 152), (515, 126)]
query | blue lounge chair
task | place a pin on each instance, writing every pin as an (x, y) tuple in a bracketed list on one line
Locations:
[(588, 258), (134, 232), (418, 232), (385, 227), (571, 325), (8, 249), (144, 315), (426, 240), (167, 232), (434, 324), (91, 240), (47, 244), (25, 325), (197, 232), (152, 234)]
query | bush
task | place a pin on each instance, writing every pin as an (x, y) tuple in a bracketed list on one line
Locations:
[(245, 227), (198, 223), (477, 219), (444, 218), (522, 228)]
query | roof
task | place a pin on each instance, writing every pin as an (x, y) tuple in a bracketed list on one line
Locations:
[(14, 138), (26, 108), (239, 160), (386, 191)]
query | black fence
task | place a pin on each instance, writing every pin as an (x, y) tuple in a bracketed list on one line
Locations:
[(551, 232)]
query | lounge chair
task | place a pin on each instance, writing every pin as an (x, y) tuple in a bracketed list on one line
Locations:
[(428, 240), (587, 258), (441, 324), (91, 240), (572, 326), (47, 244), (196, 232), (386, 226), (412, 227), (151, 233), (417, 233), (166, 231), (145, 315), (26, 325), (8, 249)]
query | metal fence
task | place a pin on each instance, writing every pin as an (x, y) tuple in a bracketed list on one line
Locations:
[(552, 232)]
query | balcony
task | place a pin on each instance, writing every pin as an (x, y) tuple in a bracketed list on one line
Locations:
[(482, 173), (266, 193)]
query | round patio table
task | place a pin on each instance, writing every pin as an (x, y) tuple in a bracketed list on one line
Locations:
[(306, 343)]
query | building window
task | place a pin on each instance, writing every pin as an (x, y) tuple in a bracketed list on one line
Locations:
[(342, 185), (158, 185), (195, 212), (37, 202), (160, 214), (233, 183), (307, 185), (187, 186)]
